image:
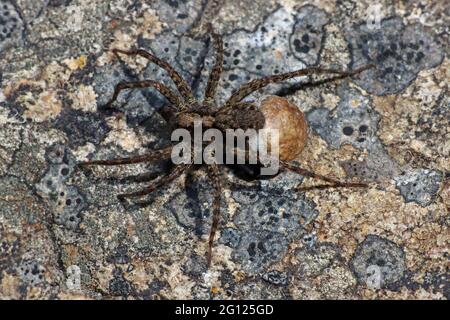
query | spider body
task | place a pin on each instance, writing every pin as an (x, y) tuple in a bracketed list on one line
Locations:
[(184, 110)]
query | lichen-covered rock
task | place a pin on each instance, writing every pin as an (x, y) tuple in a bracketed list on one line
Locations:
[(267, 225), (64, 234), (66, 200), (420, 186), (378, 263), (11, 25), (355, 122), (398, 51), (271, 48)]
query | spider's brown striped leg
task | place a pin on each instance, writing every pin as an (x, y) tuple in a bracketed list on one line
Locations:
[(182, 86), (333, 182), (214, 175), (157, 183), (217, 69), (156, 155), (164, 90), (257, 84)]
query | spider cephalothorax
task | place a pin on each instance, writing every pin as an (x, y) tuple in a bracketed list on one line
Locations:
[(234, 114)]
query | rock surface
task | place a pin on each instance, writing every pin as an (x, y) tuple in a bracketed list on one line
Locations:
[(64, 234)]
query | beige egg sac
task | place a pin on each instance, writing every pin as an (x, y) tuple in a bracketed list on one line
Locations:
[(289, 120)]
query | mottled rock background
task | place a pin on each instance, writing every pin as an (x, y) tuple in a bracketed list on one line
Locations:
[(64, 234)]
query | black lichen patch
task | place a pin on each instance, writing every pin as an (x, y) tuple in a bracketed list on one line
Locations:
[(153, 290), (58, 3), (275, 277), (31, 272), (398, 52), (10, 245), (230, 237), (260, 249), (82, 127), (310, 240), (275, 212), (11, 25), (269, 49), (359, 169), (191, 54), (268, 225), (178, 15), (419, 185), (66, 200), (307, 37), (192, 207), (70, 205), (119, 286), (120, 256), (353, 121), (378, 263)]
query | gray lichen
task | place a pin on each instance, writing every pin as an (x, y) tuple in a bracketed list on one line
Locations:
[(32, 272), (66, 200), (11, 25), (398, 52), (271, 48), (54, 216), (378, 262), (180, 15), (267, 225), (354, 121), (420, 185)]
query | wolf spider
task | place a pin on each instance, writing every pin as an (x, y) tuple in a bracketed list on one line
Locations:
[(234, 114)]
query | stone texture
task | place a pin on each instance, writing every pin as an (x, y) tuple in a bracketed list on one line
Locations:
[(64, 234)]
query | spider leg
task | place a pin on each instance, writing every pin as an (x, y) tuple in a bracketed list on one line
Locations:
[(214, 175), (157, 183), (304, 85), (182, 86), (217, 69), (152, 156), (165, 91), (257, 84), (333, 182)]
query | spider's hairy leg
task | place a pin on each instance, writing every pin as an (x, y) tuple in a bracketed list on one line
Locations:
[(157, 183), (257, 84), (181, 84), (217, 69), (333, 182), (171, 96), (156, 155), (214, 175)]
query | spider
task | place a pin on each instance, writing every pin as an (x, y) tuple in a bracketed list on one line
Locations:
[(233, 114)]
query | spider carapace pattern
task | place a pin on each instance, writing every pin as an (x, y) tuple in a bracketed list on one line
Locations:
[(233, 114)]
